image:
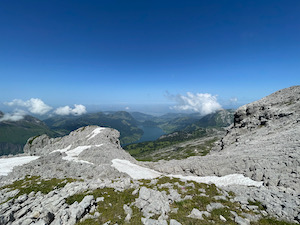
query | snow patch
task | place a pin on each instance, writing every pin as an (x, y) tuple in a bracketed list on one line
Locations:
[(62, 150), (95, 132), (231, 179), (7, 164), (139, 172), (133, 170), (72, 155)]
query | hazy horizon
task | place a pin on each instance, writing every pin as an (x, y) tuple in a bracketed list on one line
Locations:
[(154, 110)]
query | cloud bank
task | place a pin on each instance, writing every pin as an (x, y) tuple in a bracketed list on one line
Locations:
[(67, 110), (15, 116), (199, 102), (34, 105), (38, 107)]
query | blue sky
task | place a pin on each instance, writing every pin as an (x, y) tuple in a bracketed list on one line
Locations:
[(127, 53)]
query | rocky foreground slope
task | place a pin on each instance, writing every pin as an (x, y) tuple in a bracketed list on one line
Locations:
[(263, 143), (86, 177)]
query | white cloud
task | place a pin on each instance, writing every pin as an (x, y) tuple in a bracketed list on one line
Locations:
[(202, 103), (67, 110), (233, 100), (15, 116), (127, 108), (34, 105)]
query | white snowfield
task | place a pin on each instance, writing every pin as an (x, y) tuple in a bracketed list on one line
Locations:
[(7, 164), (72, 155), (134, 171), (231, 179), (139, 172), (95, 132)]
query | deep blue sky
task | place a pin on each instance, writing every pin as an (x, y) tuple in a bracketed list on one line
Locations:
[(133, 52)]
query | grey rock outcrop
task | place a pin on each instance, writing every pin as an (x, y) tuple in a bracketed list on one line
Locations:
[(155, 206), (263, 143), (84, 153), (85, 136), (153, 202), (196, 214)]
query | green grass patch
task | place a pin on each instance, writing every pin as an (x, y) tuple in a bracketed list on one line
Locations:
[(111, 209), (258, 204), (231, 194), (35, 184), (32, 139), (225, 212), (271, 221)]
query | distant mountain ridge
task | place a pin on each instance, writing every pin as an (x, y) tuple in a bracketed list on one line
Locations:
[(173, 122), (121, 121), (221, 118), (189, 135), (14, 134)]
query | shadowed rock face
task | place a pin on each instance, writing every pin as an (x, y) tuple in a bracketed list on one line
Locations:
[(263, 143)]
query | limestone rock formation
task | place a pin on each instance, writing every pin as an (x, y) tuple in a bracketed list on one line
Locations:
[(263, 143), (84, 153)]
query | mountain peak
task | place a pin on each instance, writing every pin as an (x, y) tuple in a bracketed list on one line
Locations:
[(270, 109)]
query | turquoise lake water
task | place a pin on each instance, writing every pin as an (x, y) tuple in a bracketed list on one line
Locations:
[(150, 133)]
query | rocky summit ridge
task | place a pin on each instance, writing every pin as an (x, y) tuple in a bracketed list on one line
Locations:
[(262, 143), (72, 179), (84, 153)]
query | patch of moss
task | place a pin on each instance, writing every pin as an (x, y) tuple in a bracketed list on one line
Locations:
[(35, 184), (145, 182), (165, 179), (76, 198), (231, 194), (271, 221), (257, 203), (32, 139), (111, 209), (225, 212)]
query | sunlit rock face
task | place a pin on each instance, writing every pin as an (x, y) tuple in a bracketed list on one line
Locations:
[(266, 135), (84, 153), (263, 144)]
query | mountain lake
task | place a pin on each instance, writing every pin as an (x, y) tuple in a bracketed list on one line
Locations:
[(150, 133)]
